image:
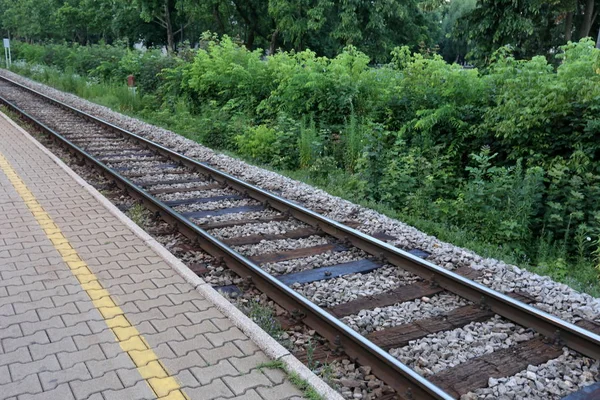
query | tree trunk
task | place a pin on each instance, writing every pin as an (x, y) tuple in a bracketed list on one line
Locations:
[(170, 35), (273, 45), (587, 19), (250, 38), (218, 19), (569, 26)]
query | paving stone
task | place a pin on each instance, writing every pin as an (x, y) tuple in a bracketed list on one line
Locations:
[(129, 377), (247, 346), (239, 384), (223, 324), (11, 344), (206, 374), (92, 315), (217, 339), (249, 395), (40, 277), (51, 380), (199, 343), (140, 390), (211, 391), (83, 389), (44, 294), (185, 378), (245, 364), (199, 316), (56, 334), (278, 392), (190, 360), (178, 321), (19, 299), (170, 311), (145, 305), (275, 375), (31, 327), (204, 327), (99, 368), (63, 311), (19, 355), (4, 375), (20, 370), (65, 345), (85, 341), (62, 392), (29, 385), (162, 291), (7, 310), (13, 331), (93, 352), (228, 350)]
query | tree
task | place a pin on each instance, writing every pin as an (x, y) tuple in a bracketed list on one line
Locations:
[(530, 27), (160, 12), (454, 30)]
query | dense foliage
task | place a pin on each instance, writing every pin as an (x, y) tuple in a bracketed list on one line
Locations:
[(510, 155), (460, 29), (325, 26)]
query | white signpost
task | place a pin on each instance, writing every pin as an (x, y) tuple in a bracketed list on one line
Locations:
[(7, 54)]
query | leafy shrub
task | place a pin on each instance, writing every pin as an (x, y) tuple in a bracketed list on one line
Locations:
[(406, 136)]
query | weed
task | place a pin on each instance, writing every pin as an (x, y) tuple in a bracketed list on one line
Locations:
[(309, 392), (137, 213), (263, 316)]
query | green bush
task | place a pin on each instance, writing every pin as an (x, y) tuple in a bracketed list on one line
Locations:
[(508, 156)]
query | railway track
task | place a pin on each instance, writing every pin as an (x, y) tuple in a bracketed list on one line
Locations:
[(253, 232)]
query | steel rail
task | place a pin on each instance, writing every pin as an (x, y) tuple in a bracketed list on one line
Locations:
[(576, 338), (407, 382)]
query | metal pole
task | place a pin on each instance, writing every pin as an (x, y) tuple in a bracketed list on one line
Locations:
[(9, 58), (598, 40)]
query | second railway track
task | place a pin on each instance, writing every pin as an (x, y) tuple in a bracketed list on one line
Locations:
[(265, 237)]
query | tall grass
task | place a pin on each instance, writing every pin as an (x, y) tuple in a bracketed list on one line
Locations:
[(112, 95)]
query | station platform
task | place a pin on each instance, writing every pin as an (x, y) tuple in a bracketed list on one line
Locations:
[(90, 309)]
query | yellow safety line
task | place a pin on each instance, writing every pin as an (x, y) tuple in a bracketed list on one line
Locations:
[(131, 341)]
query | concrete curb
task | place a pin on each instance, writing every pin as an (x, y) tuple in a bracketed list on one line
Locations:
[(266, 343)]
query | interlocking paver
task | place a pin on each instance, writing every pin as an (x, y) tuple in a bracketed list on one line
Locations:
[(216, 388), (62, 392), (245, 364), (239, 384), (207, 374), (67, 309), (99, 368), (200, 343), (47, 324), (10, 344), (29, 385), (51, 380), (55, 343), (284, 391), (13, 331), (20, 370), (217, 339), (179, 321), (83, 389), (139, 391), (19, 355), (69, 359), (4, 375)]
